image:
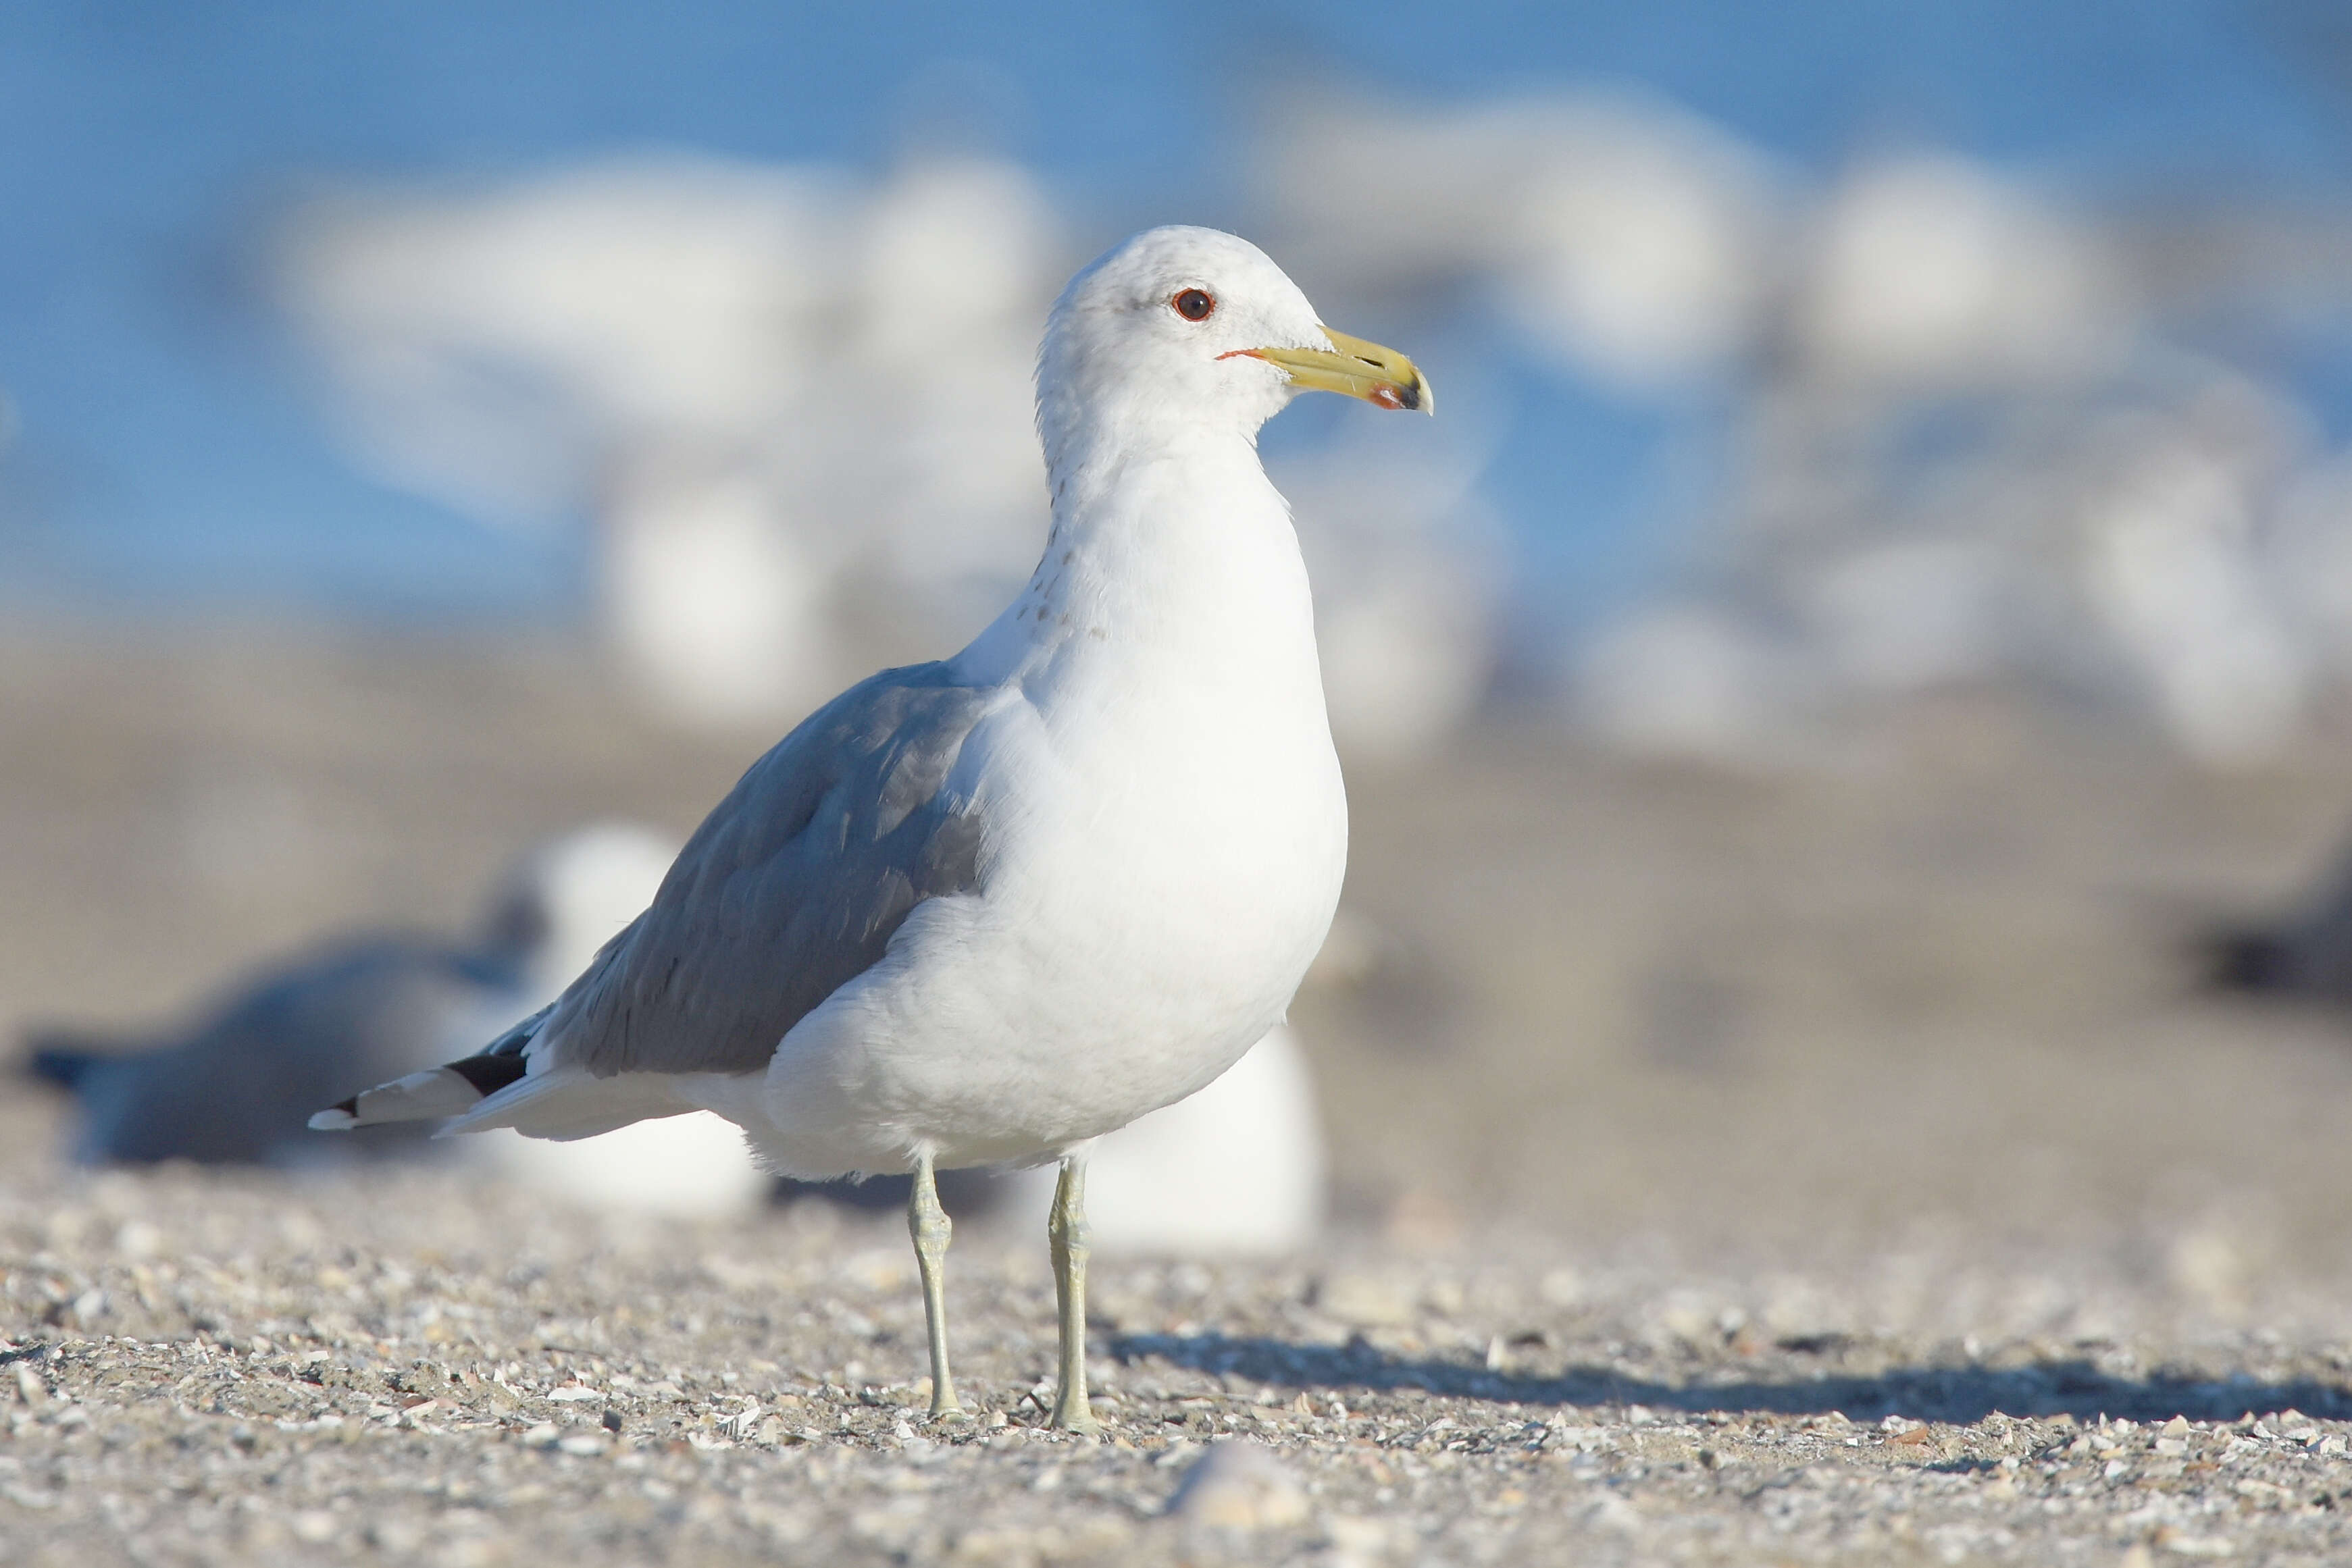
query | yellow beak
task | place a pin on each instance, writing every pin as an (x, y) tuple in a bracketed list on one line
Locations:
[(1357, 368)]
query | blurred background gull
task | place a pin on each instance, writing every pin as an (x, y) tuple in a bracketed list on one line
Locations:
[(1877, 598), (1964, 430), (788, 404)]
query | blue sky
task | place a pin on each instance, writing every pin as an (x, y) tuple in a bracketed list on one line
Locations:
[(163, 451)]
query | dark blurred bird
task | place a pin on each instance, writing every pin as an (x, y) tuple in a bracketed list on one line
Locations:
[(2305, 953), (236, 1086)]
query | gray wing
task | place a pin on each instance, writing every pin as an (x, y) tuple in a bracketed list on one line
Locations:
[(790, 888)]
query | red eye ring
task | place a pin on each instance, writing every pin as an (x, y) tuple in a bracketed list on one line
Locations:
[(1192, 304)]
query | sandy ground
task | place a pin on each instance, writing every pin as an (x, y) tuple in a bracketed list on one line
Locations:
[(1827, 1166)]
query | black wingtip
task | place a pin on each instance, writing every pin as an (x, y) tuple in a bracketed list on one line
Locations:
[(488, 1074)]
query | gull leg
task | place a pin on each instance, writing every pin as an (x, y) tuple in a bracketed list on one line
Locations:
[(1066, 1233), (929, 1226)]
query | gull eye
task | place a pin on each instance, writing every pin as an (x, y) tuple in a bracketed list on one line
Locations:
[(1193, 304)]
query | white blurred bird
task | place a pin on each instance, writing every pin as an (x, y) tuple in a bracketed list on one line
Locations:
[(1235, 1170), (582, 890)]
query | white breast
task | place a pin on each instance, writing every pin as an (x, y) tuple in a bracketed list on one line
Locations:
[(1168, 873)]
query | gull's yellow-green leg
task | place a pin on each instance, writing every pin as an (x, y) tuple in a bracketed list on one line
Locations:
[(1066, 1230), (931, 1227)]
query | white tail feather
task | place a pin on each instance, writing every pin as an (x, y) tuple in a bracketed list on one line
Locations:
[(419, 1097)]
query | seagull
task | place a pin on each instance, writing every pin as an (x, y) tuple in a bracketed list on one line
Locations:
[(983, 911)]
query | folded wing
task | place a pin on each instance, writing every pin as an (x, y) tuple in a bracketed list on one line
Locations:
[(792, 887)]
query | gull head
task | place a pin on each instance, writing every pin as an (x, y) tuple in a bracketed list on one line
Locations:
[(1181, 330)]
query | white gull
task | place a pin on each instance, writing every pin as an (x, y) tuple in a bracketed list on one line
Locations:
[(983, 911)]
